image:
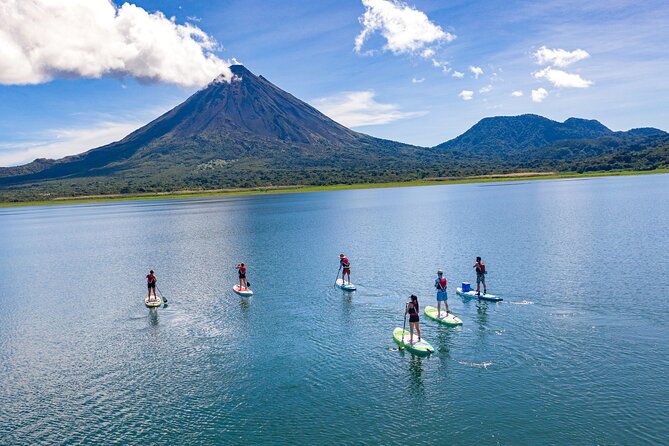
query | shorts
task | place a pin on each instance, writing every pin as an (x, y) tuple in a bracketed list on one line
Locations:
[(442, 296), (346, 271), (242, 276), (413, 318), (480, 278), (151, 285)]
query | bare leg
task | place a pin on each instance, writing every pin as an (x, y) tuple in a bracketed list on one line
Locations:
[(485, 287), (418, 330), (411, 326), (446, 305), (438, 308)]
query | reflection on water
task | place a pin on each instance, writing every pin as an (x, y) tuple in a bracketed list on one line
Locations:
[(153, 316), (303, 362), (417, 386)]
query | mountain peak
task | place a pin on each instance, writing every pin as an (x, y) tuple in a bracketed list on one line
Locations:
[(513, 134)]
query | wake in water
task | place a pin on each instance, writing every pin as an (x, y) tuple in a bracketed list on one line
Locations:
[(480, 365), (522, 302)]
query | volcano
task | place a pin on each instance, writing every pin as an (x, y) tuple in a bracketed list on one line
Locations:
[(240, 132)]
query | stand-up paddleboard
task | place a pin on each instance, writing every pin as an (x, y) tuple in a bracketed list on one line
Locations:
[(449, 319), (482, 296), (345, 287), (244, 292), (422, 347), (155, 302)]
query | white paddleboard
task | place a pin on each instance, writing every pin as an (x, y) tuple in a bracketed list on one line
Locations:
[(482, 296), (244, 292), (345, 287), (153, 302)]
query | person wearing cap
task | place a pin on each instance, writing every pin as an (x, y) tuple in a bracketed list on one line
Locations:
[(346, 268), (442, 296), (151, 280)]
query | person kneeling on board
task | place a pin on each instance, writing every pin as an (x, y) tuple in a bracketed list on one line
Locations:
[(346, 268), (242, 276), (151, 280), (413, 311), (442, 296), (480, 276)]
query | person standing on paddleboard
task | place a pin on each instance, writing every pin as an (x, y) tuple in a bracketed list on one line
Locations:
[(480, 276), (413, 311), (346, 268), (442, 296), (151, 280), (242, 276)]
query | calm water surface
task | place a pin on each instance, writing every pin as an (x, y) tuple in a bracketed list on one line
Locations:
[(577, 353)]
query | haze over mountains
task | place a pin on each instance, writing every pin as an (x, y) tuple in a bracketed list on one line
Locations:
[(249, 132)]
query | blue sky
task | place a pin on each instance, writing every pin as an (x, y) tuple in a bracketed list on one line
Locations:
[(604, 60)]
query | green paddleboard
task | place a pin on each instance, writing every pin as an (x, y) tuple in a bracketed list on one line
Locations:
[(451, 319), (422, 347)]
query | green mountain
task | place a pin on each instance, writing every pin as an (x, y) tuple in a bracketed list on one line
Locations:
[(248, 132)]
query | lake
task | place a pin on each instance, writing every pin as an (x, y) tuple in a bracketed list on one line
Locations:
[(577, 353)]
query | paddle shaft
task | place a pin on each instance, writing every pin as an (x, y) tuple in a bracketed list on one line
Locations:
[(404, 326), (162, 296), (335, 284)]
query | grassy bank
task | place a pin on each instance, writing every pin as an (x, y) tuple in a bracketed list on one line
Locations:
[(298, 188)]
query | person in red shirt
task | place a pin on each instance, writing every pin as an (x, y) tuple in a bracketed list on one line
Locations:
[(151, 280), (346, 268), (242, 276), (442, 295)]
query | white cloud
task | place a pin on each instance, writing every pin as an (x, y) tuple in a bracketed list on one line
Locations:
[(562, 79), (476, 71), (559, 57), (517, 93), (539, 95), (44, 39), (427, 53), (405, 29), (359, 108), (486, 89), (417, 81), (458, 74), (58, 143), (466, 95)]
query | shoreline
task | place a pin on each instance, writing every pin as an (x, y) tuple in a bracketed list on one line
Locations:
[(268, 190)]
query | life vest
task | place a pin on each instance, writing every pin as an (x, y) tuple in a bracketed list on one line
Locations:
[(413, 307), (441, 284), (151, 279), (345, 263), (242, 270), (480, 268)]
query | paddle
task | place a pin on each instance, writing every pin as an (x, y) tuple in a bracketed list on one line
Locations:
[(404, 326), (161, 295), (335, 284)]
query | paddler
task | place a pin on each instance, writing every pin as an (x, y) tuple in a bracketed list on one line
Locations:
[(413, 311), (242, 276), (479, 266), (442, 296), (346, 268), (151, 280)]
